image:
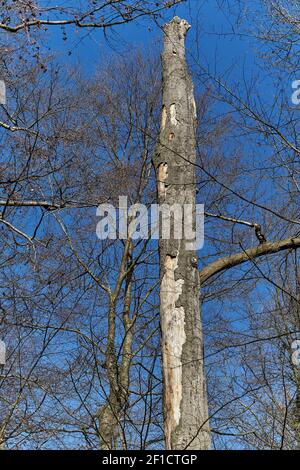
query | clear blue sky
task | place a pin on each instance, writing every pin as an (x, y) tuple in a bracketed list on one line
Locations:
[(218, 47)]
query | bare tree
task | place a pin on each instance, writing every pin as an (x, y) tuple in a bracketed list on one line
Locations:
[(23, 16), (81, 317)]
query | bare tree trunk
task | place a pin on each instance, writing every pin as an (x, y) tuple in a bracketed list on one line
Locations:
[(185, 398), (295, 369), (297, 412), (112, 412)]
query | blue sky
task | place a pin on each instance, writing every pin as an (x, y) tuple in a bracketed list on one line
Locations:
[(210, 42), (218, 47)]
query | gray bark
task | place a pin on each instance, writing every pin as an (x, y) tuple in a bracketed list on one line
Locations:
[(185, 399), (267, 248), (297, 413), (112, 412)]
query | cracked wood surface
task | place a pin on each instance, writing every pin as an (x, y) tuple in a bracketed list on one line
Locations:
[(185, 401)]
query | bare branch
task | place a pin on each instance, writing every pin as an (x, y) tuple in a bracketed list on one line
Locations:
[(231, 261)]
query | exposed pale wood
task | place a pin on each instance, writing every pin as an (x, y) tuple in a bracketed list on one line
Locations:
[(185, 400)]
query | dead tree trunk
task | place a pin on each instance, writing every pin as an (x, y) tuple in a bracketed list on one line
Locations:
[(185, 400)]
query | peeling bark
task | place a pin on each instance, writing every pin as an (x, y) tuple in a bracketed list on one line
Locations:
[(172, 324), (185, 400)]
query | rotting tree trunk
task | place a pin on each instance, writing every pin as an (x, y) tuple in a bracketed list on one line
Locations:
[(185, 399)]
